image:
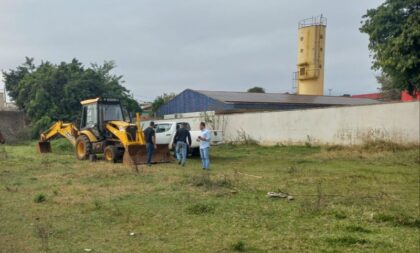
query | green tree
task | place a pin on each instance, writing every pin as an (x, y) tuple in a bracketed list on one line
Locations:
[(50, 92), (161, 100), (256, 89), (394, 40), (388, 90)]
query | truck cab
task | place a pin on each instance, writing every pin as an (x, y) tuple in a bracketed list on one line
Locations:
[(165, 133)]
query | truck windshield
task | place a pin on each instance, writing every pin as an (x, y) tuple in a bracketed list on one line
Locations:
[(112, 112)]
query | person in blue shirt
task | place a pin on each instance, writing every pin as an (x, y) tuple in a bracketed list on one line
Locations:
[(204, 140)]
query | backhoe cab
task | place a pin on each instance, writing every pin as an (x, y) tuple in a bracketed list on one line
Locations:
[(105, 128)]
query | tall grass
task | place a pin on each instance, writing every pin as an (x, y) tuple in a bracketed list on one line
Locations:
[(347, 199)]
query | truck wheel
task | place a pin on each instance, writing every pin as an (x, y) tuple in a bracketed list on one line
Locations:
[(83, 147), (112, 154)]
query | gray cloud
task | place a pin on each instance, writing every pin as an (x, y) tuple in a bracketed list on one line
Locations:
[(167, 46)]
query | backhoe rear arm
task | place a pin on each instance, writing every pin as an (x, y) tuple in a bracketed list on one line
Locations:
[(67, 130)]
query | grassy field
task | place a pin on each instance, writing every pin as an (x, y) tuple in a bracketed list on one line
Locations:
[(345, 200)]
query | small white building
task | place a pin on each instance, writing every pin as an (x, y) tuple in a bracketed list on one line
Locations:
[(4, 105)]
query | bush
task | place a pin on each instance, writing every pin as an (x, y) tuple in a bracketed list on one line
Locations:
[(204, 180), (40, 126), (382, 145), (239, 246), (201, 208), (62, 146), (340, 216), (40, 197), (398, 220), (245, 139)]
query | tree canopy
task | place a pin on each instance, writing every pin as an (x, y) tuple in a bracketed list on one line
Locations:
[(388, 90), (394, 40), (161, 100), (50, 92), (256, 89)]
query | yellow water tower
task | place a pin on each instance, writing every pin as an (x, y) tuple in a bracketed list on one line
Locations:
[(310, 60)]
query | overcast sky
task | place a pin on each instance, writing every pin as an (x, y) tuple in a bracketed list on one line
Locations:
[(168, 46)]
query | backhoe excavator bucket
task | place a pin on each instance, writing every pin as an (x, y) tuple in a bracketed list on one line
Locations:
[(136, 154), (44, 147)]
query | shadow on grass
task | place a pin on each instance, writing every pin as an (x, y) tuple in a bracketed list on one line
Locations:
[(201, 208), (357, 229), (210, 183), (346, 241), (398, 220)]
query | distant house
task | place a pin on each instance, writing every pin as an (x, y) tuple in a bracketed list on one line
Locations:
[(146, 111), (146, 108), (228, 101)]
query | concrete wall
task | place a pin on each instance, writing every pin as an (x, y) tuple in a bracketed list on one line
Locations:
[(12, 124), (396, 122), (2, 101)]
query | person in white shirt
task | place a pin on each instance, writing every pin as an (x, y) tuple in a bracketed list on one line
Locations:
[(204, 140)]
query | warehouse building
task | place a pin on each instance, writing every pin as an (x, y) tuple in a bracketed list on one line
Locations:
[(227, 101)]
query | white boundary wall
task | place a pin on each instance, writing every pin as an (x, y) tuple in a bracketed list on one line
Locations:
[(396, 122)]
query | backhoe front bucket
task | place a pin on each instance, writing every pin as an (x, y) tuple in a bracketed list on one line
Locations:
[(136, 154), (162, 154), (44, 147)]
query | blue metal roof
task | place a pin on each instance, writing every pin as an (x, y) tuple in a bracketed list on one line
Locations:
[(204, 100), (248, 97)]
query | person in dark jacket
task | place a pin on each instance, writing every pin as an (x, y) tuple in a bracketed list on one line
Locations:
[(183, 141), (150, 137)]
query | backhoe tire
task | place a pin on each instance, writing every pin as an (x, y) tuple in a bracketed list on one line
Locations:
[(112, 154), (83, 147)]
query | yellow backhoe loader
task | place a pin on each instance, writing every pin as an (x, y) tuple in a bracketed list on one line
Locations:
[(105, 128)]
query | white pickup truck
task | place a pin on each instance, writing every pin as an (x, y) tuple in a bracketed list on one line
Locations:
[(165, 133)]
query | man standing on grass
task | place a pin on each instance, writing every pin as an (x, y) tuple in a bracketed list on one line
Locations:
[(181, 137), (150, 137), (204, 140)]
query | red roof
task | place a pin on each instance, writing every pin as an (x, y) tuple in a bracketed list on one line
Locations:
[(369, 95), (407, 97)]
